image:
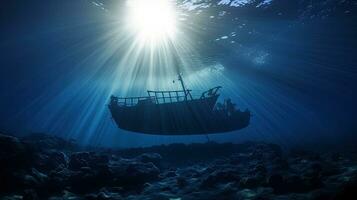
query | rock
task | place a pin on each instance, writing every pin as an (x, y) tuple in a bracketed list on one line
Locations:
[(255, 194), (266, 152), (154, 196), (30, 181), (98, 160), (221, 176), (43, 141), (12, 197), (87, 159), (321, 195), (10, 144), (316, 166), (103, 196), (88, 179), (141, 172), (50, 160), (41, 160), (154, 158), (294, 184), (78, 160), (335, 157), (251, 182), (280, 164), (40, 177), (13, 154), (130, 172), (228, 189), (304, 155), (239, 158), (168, 174), (59, 180), (189, 172), (30, 195), (181, 182), (58, 158), (70, 196), (261, 169), (348, 191), (276, 181)]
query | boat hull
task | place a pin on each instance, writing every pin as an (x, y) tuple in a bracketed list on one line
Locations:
[(179, 118)]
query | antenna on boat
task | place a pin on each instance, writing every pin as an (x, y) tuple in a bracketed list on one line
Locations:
[(178, 64), (182, 85)]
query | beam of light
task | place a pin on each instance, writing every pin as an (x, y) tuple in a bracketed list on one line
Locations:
[(151, 20), (156, 47)]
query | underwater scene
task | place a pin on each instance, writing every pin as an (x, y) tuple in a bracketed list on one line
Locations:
[(178, 99)]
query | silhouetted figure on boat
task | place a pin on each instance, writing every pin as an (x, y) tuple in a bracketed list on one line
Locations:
[(177, 113)]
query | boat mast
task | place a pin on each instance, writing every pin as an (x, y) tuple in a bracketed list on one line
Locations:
[(178, 65), (182, 85)]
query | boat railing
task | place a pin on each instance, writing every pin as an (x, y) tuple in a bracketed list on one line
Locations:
[(170, 96), (130, 101), (161, 97)]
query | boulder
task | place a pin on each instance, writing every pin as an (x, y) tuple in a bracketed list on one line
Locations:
[(276, 181), (181, 182), (168, 174), (252, 182), (79, 160), (13, 154), (57, 158), (220, 176), (130, 172), (14, 158), (30, 195), (155, 158), (88, 179), (40, 177), (43, 141)]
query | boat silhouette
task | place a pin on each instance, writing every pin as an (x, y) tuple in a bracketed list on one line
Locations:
[(177, 113)]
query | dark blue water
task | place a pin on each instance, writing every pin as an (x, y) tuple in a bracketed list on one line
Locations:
[(293, 64)]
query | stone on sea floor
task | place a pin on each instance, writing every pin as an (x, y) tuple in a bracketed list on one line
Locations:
[(30, 181), (43, 141), (132, 172), (220, 176), (168, 174), (276, 181), (78, 160), (12, 197), (255, 194), (181, 182), (57, 158), (260, 169), (88, 179), (293, 184), (87, 159), (30, 195), (252, 182), (50, 160), (155, 158), (103, 195), (41, 177), (13, 154)]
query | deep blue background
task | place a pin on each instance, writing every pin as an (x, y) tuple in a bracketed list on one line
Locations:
[(304, 93)]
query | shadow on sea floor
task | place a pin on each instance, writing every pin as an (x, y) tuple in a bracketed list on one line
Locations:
[(46, 167)]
